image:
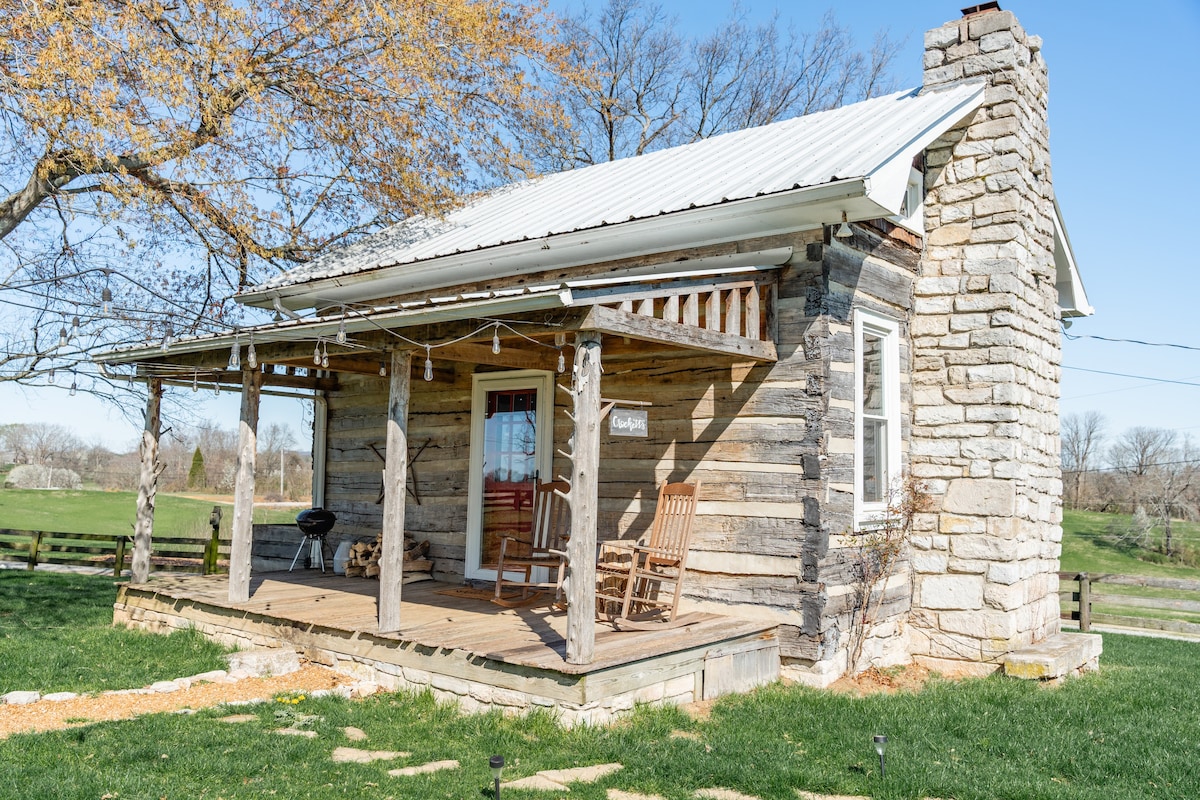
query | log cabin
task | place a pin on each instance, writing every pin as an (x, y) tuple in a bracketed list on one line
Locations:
[(796, 316)]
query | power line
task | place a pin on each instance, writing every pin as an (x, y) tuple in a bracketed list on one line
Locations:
[(1073, 337), (1135, 377)]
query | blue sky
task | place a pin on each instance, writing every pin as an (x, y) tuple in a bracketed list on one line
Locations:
[(1124, 115)]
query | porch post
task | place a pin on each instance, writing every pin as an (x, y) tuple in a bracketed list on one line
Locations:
[(143, 530), (395, 480), (585, 460), (243, 489)]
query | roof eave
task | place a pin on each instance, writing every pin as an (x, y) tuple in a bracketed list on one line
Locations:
[(1072, 297)]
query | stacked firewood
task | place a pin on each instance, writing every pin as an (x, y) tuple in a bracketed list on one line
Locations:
[(363, 561)]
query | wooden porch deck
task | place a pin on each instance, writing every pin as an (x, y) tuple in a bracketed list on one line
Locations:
[(464, 646)]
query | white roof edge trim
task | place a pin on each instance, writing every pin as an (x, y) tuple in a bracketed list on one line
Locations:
[(720, 223), (889, 181), (1072, 297)]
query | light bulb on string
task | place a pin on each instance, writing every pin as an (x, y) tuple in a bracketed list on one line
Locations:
[(382, 370), (106, 302), (50, 376), (235, 355), (62, 336), (75, 327), (496, 340), (325, 357), (317, 353), (341, 334), (73, 384), (195, 382), (562, 362), (251, 356), (216, 389), (428, 365)]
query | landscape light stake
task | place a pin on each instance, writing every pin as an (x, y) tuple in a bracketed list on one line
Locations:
[(880, 746), (497, 765)]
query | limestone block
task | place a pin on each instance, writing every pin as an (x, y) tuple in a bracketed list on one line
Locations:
[(943, 74), (943, 37), (445, 683), (1057, 657), (1005, 598), (264, 662), (1003, 574), (982, 624), (937, 414), (960, 525), (952, 592), (923, 287), (980, 497), (928, 562), (984, 547)]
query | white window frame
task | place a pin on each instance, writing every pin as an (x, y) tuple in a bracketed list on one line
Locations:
[(865, 322), (482, 383)]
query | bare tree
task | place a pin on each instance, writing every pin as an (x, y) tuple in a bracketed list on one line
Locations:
[(654, 88), (1136, 453), (1168, 487), (1082, 441)]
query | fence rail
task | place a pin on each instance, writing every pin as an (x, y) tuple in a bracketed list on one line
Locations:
[(206, 555), (1088, 606)]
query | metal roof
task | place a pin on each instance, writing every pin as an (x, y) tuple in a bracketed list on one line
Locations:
[(873, 141)]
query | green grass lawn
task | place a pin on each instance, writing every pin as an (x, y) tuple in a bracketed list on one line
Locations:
[(1130, 731), (114, 512), (1086, 548), (56, 635)]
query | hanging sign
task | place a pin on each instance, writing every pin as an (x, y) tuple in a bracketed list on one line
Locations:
[(628, 422)]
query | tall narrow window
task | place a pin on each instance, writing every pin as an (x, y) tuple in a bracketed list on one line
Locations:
[(877, 418)]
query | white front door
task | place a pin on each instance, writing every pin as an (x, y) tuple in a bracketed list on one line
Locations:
[(511, 429)]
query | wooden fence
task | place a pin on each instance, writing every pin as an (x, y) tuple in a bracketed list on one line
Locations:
[(206, 555), (1089, 604)]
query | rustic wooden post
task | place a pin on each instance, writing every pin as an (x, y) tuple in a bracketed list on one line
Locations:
[(585, 460), (395, 482), (35, 544), (242, 533), (119, 558), (1085, 602), (143, 530)]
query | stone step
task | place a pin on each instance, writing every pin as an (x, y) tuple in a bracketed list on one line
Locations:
[(1057, 657)]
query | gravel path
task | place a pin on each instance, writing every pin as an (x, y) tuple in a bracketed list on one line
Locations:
[(47, 715)]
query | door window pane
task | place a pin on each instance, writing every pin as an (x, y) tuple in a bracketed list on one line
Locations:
[(509, 468)]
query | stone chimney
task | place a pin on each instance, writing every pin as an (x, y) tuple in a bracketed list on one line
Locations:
[(986, 355)]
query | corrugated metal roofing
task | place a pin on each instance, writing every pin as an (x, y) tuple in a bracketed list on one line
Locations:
[(854, 141)]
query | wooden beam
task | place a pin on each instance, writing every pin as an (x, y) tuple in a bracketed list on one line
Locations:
[(243, 489), (515, 355), (585, 484), (620, 323), (395, 482), (143, 530)]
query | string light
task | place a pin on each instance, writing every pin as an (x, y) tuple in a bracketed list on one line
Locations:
[(51, 376), (235, 356), (195, 382), (106, 302), (382, 370), (317, 353), (341, 334), (62, 336), (496, 340), (325, 357), (428, 364), (251, 355), (73, 384), (74, 327), (562, 362)]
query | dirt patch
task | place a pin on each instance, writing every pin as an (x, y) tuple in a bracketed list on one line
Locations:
[(911, 678), (47, 716)]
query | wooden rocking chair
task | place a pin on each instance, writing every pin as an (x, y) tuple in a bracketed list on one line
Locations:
[(545, 548), (639, 585)]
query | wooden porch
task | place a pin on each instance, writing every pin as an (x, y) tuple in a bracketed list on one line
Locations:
[(464, 648)]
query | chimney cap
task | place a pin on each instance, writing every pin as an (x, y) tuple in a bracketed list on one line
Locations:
[(982, 8)]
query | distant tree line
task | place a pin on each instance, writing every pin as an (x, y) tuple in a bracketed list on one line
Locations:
[(1152, 474), (202, 459)]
